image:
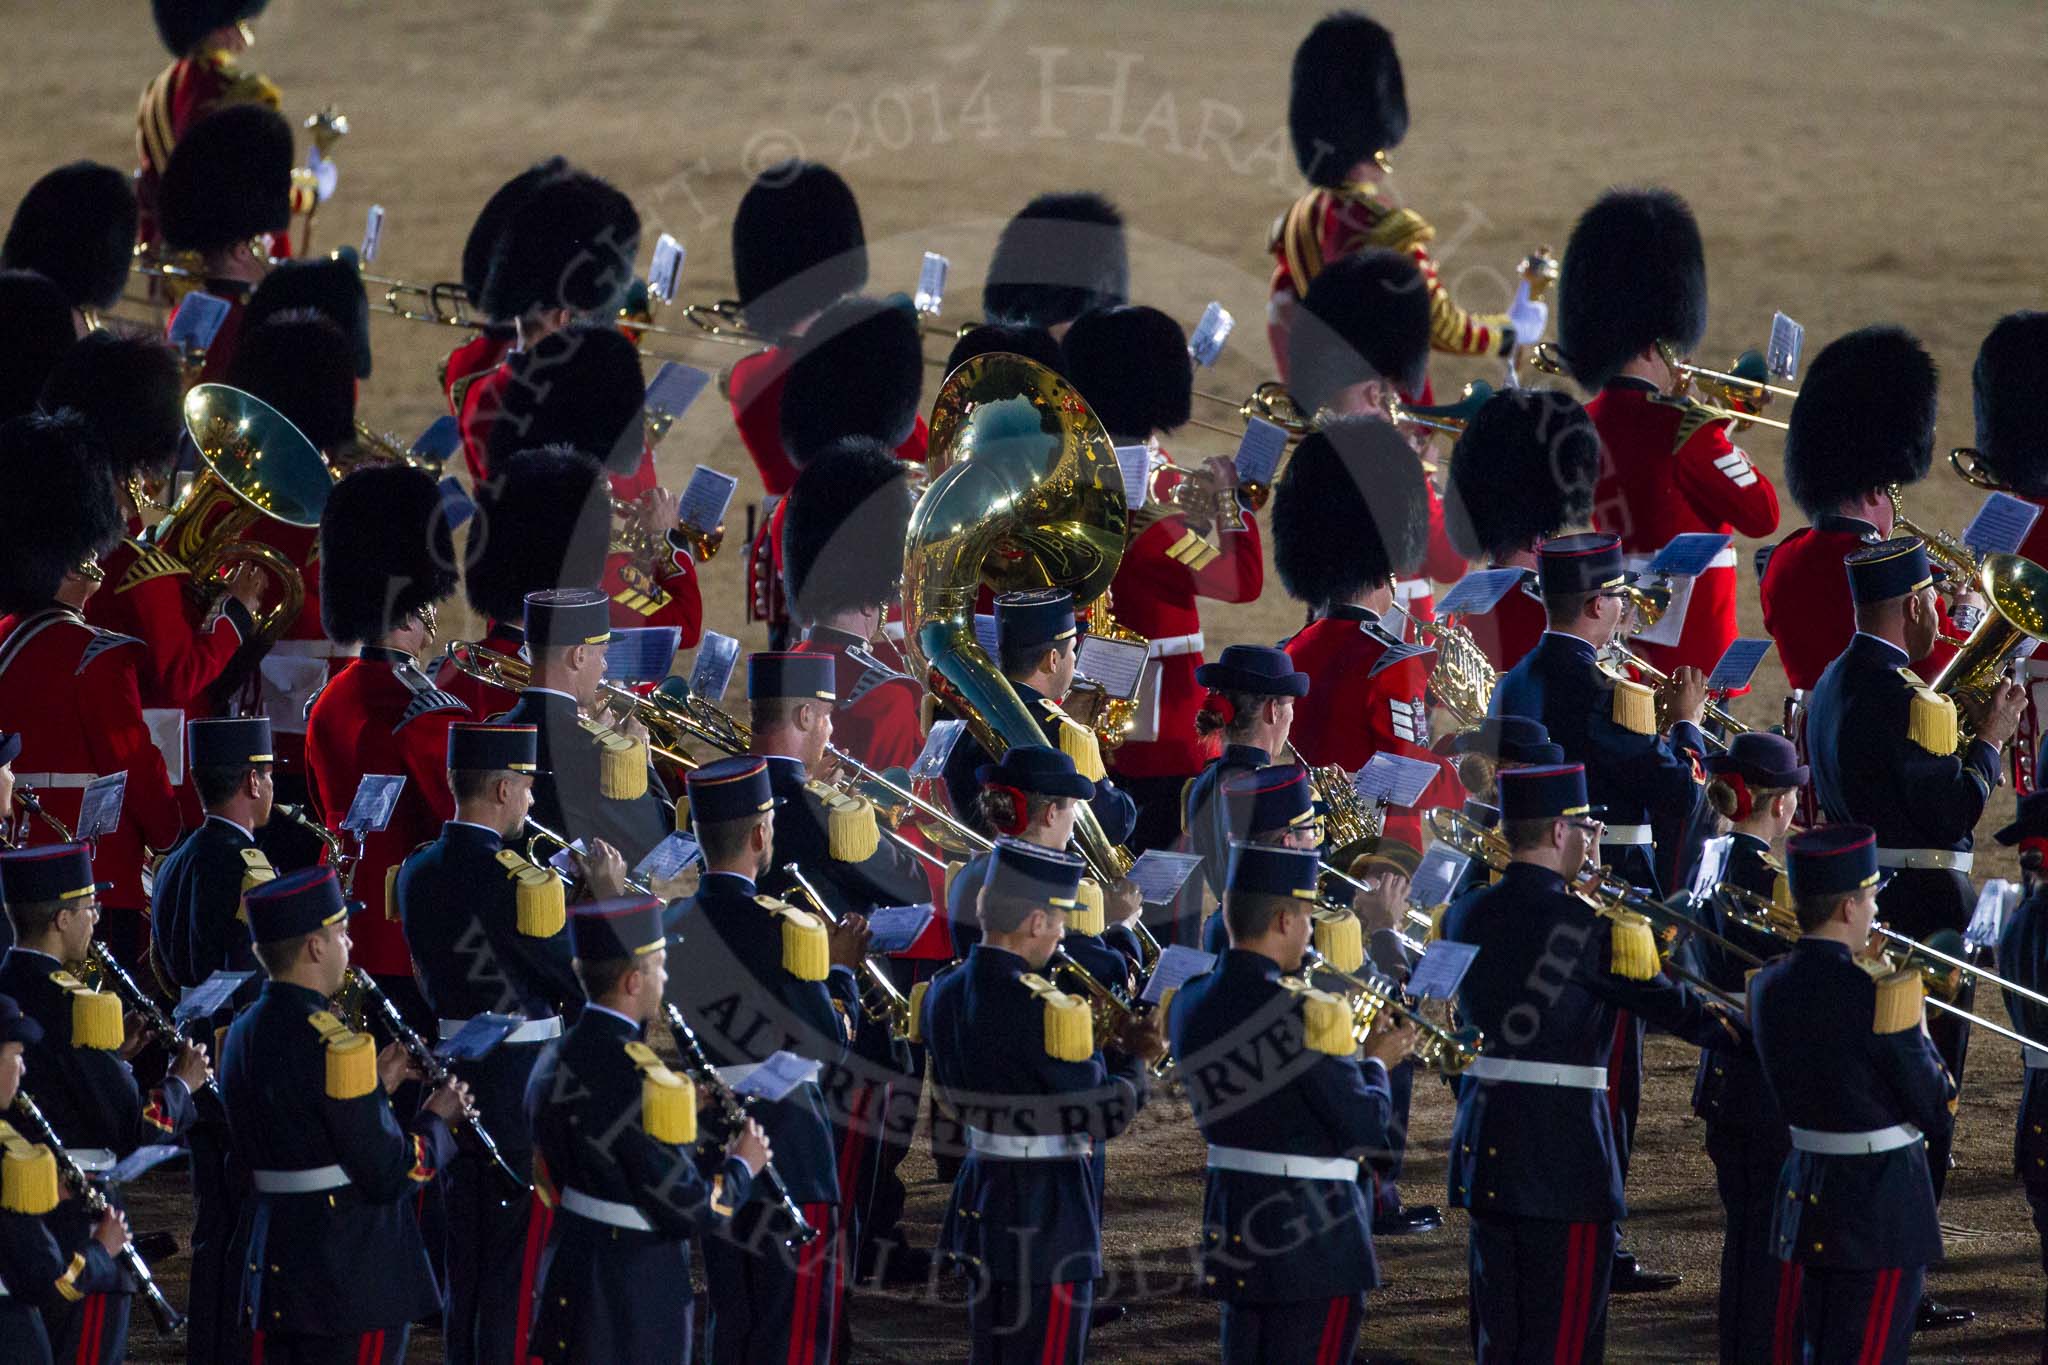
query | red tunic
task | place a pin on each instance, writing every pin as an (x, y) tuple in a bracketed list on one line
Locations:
[(382, 715), (1366, 695), (1511, 629), (71, 691), (1663, 475), (145, 596), (1807, 608), (667, 597)]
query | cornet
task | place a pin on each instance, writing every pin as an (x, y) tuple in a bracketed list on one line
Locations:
[(1441, 1049), (1110, 1005)]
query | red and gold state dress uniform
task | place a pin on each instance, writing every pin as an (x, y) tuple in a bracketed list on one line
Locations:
[(183, 93)]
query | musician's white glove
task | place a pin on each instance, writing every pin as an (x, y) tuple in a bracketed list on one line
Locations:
[(1528, 317), (326, 175)]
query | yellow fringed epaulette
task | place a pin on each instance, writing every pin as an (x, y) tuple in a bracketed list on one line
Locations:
[(391, 891), (95, 1015), (1193, 552), (806, 950), (668, 1102), (851, 834), (256, 870), (1087, 916), (683, 812), (150, 562), (539, 907), (1931, 719), (1635, 707), (1069, 1027), (28, 1175), (351, 1057), (1436, 922), (1633, 948), (1781, 892), (917, 994), (1328, 1026), (621, 763), (1898, 1002), (1078, 743), (1340, 938)]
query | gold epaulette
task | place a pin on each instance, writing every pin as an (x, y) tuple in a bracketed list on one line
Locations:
[(621, 763), (1328, 1025), (1340, 938), (1078, 743), (646, 603), (1931, 719), (1192, 552), (1088, 915), (806, 950), (95, 1015), (1898, 1005), (1632, 954), (28, 1174), (1402, 230), (668, 1102), (250, 87), (539, 907), (351, 1057), (851, 834), (256, 870), (1069, 1027), (150, 562), (1635, 707), (917, 994)]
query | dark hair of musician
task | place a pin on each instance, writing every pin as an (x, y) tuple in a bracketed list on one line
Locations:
[(602, 977), (724, 841), (473, 784), (1564, 608), (1727, 800), (993, 810), (280, 955), (32, 919), (218, 785), (770, 713), (1019, 661), (1005, 914), (1244, 715), (1523, 835), (1814, 911), (1250, 914)]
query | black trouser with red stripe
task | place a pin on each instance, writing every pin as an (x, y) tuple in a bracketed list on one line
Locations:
[(495, 1238), (1846, 1317), (1746, 1169), (1538, 1289), (771, 1305), (1029, 1323), (386, 1346), (1308, 1331)]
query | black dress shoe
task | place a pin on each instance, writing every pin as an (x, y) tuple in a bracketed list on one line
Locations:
[(1412, 1218), (1629, 1277), (897, 1263), (1103, 1314), (1934, 1316)]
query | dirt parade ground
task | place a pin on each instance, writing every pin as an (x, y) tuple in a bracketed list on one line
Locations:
[(1849, 163)]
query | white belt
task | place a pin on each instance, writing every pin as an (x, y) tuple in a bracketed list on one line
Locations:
[(1924, 857), (606, 1211), (1286, 1164), (93, 1160), (313, 649), (1626, 836), (1538, 1073), (1855, 1144), (2036, 1058), (1018, 1148), (309, 1181), (55, 780), (1723, 560), (1173, 645), (532, 1031)]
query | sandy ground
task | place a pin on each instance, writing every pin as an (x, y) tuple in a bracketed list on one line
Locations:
[(1849, 163)]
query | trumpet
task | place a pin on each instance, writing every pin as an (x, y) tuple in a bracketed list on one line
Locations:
[(542, 834), (1442, 1049), (879, 998), (630, 537), (1111, 1006), (1450, 417), (374, 447), (1621, 660), (958, 830), (1947, 551), (1545, 356), (514, 675), (734, 1111)]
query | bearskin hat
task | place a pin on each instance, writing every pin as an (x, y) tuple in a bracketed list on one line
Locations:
[(385, 551), (1366, 317), (1522, 470), (2009, 385), (129, 387), (543, 520), (570, 243), (1634, 274), (797, 245), (303, 365), (1864, 419), (57, 506), (35, 333), (858, 371), (1013, 338), (76, 225), (484, 235), (1061, 256), (330, 286), (1348, 100), (580, 387), (230, 179), (842, 537), (182, 23), (1350, 511), (1132, 365)]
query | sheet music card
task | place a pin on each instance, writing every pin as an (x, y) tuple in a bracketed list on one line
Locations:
[(938, 747), (666, 860), (1160, 874), (665, 273), (1439, 873), (712, 673), (374, 802), (99, 808), (1211, 332), (1442, 967), (1478, 592), (1395, 779), (478, 1035), (1259, 451), (206, 999), (931, 284), (893, 928), (2001, 525), (1118, 665), (1178, 964), (1738, 664)]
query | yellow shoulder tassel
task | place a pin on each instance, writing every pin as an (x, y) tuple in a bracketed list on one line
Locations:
[(806, 952), (1069, 1028), (538, 903), (1087, 916), (256, 870), (1078, 743), (1898, 1002), (28, 1178), (1328, 1024), (1340, 938), (1931, 720), (683, 813), (391, 891), (96, 1020), (351, 1066), (917, 993), (622, 770), (668, 1107), (1436, 922), (851, 834), (1634, 948), (1781, 892), (1635, 707), (953, 870)]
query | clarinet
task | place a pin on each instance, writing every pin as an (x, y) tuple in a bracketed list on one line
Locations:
[(135, 998), (436, 1071), (734, 1110), (169, 1320)]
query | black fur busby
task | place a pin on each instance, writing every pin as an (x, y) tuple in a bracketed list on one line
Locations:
[(385, 552), (842, 537), (1366, 317), (2009, 384), (57, 505), (230, 179), (482, 243), (858, 371), (1132, 365), (580, 387), (182, 23), (1864, 419), (571, 244), (1350, 511), (1634, 274), (1014, 338), (797, 245), (128, 386), (35, 333), (1060, 257), (300, 363), (331, 287), (77, 226), (543, 521), (1522, 470), (1348, 100)]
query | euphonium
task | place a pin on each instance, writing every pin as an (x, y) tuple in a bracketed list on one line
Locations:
[(1027, 494), (255, 463), (2016, 612), (1945, 550)]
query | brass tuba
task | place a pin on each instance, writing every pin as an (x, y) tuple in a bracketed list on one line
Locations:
[(254, 464), (1025, 493), (2016, 596)]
